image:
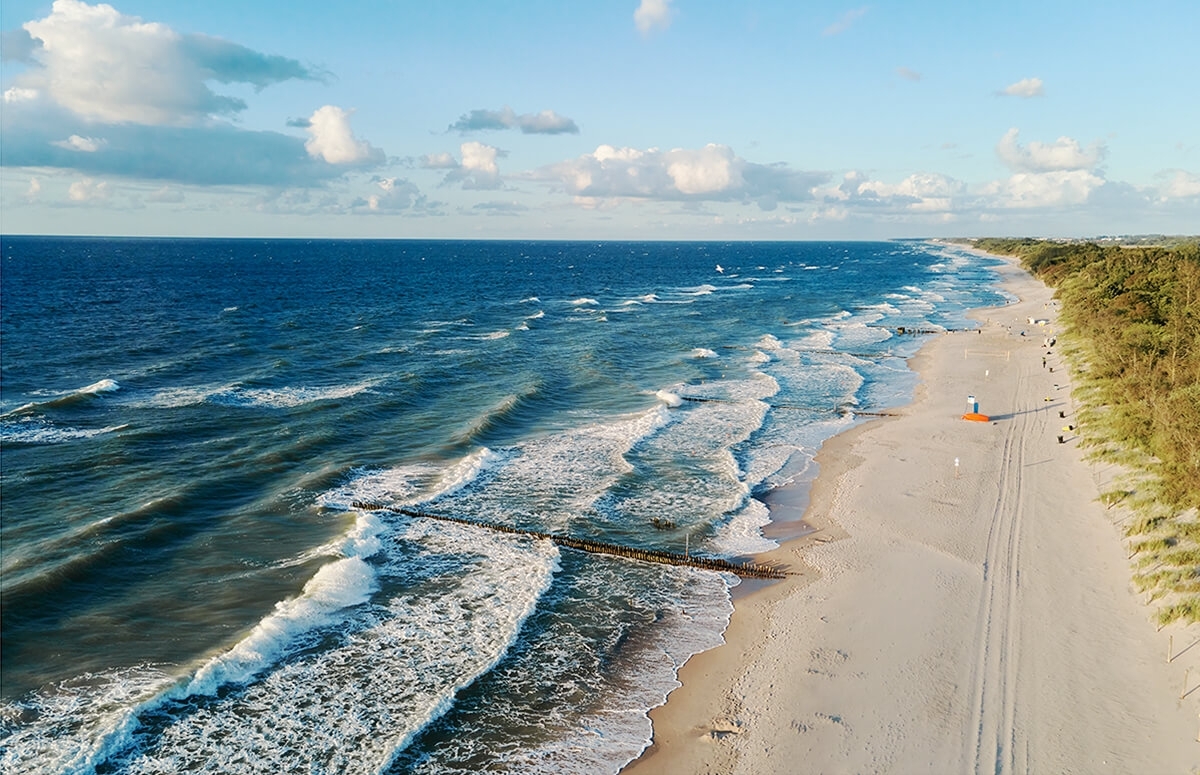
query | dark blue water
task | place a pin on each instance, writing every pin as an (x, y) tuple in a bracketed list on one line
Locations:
[(186, 424)]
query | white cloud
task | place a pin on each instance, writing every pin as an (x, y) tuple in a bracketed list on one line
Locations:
[(88, 190), (331, 139), (1064, 153), (81, 144), (1182, 185), (35, 188), (478, 168), (711, 169), (908, 74), (17, 94), (105, 66), (1026, 87), (1043, 189), (846, 21), (394, 195), (439, 161), (922, 192), (651, 14), (479, 158)]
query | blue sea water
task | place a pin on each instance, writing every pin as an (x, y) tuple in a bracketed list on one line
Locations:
[(188, 587)]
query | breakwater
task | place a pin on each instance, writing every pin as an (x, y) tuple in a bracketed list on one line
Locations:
[(716, 564)]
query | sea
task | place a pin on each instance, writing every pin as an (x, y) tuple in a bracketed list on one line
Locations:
[(187, 426)]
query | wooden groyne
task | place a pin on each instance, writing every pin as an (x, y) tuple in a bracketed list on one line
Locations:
[(834, 410), (747, 569)]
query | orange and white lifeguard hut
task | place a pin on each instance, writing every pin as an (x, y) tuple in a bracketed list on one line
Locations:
[(973, 411)]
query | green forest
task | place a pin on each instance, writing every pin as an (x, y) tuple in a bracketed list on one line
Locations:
[(1132, 340)]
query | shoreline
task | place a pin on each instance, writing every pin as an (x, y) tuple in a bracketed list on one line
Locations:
[(950, 617)]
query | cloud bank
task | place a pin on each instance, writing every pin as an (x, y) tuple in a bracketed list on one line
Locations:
[(711, 173)]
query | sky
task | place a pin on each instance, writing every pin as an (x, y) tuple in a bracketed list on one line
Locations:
[(605, 119)]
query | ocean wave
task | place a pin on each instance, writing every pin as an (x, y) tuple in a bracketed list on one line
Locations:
[(409, 484), (553, 480), (494, 415), (339, 584), (59, 399), (392, 667), (583, 302), (703, 352), (285, 397), (39, 430), (354, 705)]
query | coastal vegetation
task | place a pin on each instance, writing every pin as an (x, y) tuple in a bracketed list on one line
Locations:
[(1132, 339)]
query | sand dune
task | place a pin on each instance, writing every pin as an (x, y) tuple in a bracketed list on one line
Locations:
[(966, 605)]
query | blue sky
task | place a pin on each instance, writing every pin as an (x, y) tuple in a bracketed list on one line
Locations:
[(639, 119)]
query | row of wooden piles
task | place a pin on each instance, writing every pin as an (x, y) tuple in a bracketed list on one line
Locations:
[(746, 569)]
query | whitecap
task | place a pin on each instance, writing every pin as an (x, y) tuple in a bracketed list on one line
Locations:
[(670, 399)]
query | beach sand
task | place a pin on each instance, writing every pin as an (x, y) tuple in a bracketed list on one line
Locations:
[(965, 603)]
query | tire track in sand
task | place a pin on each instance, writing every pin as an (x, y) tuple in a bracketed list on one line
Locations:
[(997, 639)]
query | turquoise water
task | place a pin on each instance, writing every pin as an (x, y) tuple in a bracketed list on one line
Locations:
[(187, 423)]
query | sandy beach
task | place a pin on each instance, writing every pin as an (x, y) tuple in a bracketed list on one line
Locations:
[(965, 602)]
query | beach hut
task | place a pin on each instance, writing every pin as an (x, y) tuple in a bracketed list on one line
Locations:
[(973, 411)]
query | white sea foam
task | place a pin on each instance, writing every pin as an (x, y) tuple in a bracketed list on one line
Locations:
[(76, 724), (284, 397), (557, 476), (541, 313), (703, 352), (670, 399), (36, 430), (768, 342), (742, 534), (582, 302), (410, 483), (337, 585)]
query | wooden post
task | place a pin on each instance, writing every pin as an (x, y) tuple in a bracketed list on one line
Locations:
[(1170, 648)]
